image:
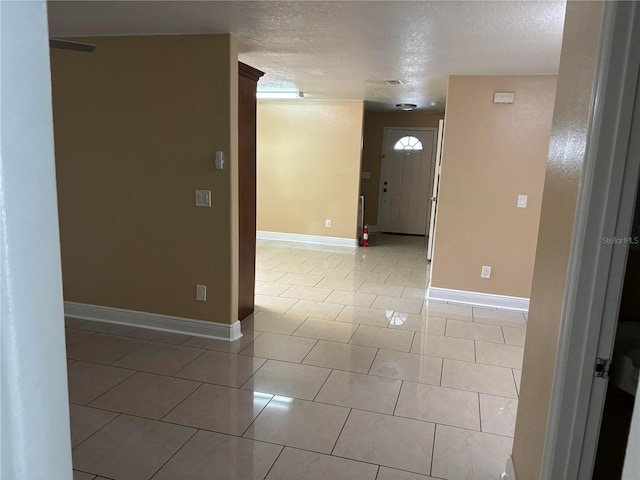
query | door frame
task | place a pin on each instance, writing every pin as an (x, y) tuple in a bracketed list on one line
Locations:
[(606, 203), (429, 180), (435, 191)]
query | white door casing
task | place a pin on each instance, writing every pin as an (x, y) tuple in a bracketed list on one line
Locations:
[(434, 190), (405, 181)]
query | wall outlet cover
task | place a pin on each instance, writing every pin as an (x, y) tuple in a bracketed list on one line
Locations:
[(486, 271), (203, 198)]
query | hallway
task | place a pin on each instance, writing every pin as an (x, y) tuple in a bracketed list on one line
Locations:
[(344, 372)]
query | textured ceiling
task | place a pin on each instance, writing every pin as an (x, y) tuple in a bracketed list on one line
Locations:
[(346, 50)]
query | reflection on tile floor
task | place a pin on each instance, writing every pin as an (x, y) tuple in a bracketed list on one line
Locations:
[(343, 372)]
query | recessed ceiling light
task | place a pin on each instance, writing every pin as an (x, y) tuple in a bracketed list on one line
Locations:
[(406, 107), (279, 95), (433, 104), (393, 82)]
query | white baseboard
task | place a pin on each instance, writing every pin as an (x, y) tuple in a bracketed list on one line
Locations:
[(154, 321), (478, 299), (302, 238)]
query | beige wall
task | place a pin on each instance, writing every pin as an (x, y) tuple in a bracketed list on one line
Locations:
[(136, 125), (374, 123), (564, 167), (491, 154), (309, 166)]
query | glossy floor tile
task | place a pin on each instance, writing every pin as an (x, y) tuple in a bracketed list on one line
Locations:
[(474, 331), (514, 335), (498, 414), (103, 348), (499, 355), (87, 381), (280, 347), (440, 405), (146, 395), (314, 309), (130, 448), (352, 358), (365, 316), (294, 464), (159, 358), (344, 371), (407, 366), (290, 379), (478, 378), (73, 336), (370, 336), (86, 421), (215, 456), (355, 390), (387, 440), (464, 454), (418, 323), (444, 347), (292, 422), (218, 408), (386, 473), (221, 368), (272, 323), (326, 330)]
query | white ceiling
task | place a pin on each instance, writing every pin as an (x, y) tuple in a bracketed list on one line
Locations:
[(346, 50)]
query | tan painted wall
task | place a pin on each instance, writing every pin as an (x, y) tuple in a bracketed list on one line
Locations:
[(491, 154), (309, 166), (564, 168), (374, 123), (136, 126)]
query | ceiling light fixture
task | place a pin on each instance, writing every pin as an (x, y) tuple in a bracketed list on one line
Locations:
[(433, 104), (393, 82), (406, 107), (279, 95)]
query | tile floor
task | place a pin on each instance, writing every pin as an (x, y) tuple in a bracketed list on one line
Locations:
[(344, 372)]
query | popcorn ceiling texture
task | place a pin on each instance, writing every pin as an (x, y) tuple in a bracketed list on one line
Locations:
[(346, 50)]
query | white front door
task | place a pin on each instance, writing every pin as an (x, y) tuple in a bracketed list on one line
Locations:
[(405, 180)]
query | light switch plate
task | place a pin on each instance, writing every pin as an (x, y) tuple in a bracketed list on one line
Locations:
[(203, 198), (201, 293), (522, 201), (219, 161)]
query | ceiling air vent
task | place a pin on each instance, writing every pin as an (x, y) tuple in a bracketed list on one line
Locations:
[(393, 82)]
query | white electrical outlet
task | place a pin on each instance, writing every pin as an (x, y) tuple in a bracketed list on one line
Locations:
[(201, 293), (486, 271), (203, 198), (327, 223)]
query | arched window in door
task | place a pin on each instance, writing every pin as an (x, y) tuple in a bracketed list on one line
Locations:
[(408, 143)]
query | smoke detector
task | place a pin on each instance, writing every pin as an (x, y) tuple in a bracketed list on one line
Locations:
[(406, 107)]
